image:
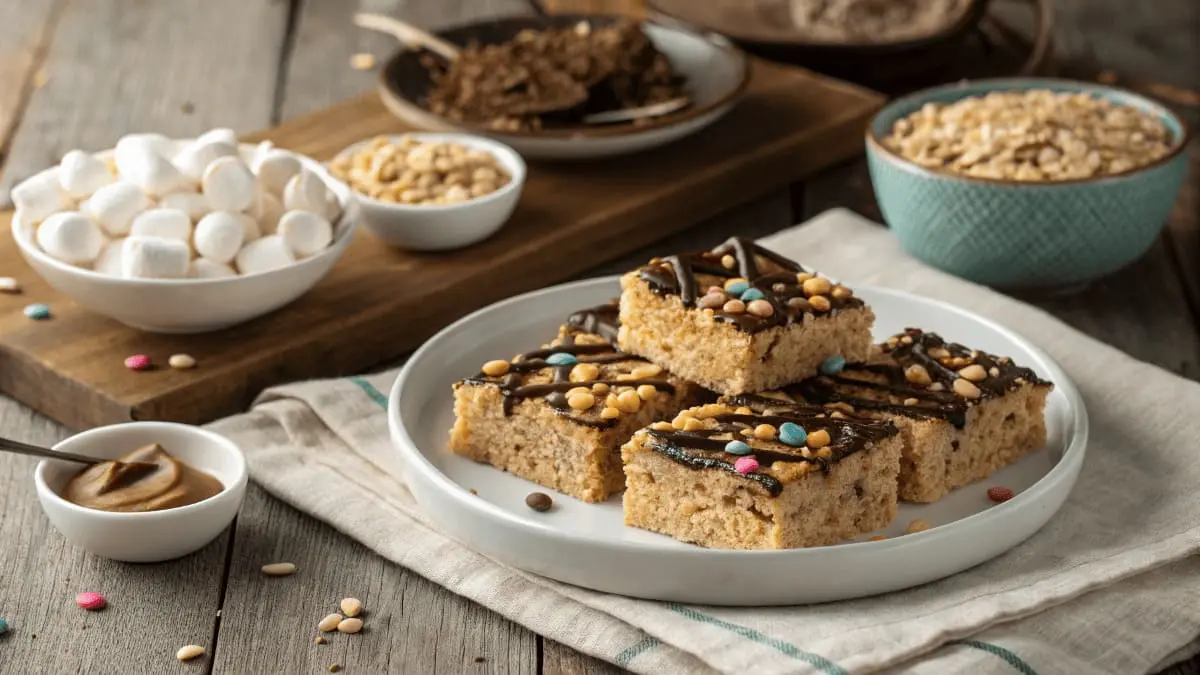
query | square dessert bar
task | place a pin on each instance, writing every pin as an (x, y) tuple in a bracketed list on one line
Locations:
[(558, 415), (740, 318), (962, 413), (723, 476)]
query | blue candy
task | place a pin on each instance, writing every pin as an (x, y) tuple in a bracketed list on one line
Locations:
[(738, 448), (833, 365), (561, 359), (752, 294), (736, 288), (792, 434), (37, 311), (3, 626)]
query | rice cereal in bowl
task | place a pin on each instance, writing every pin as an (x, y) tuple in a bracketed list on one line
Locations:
[(1026, 182), (183, 236), (432, 191)]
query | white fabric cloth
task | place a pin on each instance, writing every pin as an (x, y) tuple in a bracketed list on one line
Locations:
[(1110, 585)]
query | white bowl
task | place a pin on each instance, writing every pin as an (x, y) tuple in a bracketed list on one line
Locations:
[(152, 536), (717, 75), (192, 305), (440, 227)]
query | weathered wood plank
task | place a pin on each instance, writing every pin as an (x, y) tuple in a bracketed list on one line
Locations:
[(412, 625), (318, 71), (1183, 232), (111, 67), (24, 34), (560, 660)]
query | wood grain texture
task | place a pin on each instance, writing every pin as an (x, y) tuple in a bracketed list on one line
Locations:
[(571, 216), (1183, 232), (411, 625), (26, 29)]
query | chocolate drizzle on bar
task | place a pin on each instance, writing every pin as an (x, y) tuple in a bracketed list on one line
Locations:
[(589, 321), (858, 385), (701, 449), (676, 275), (603, 320)]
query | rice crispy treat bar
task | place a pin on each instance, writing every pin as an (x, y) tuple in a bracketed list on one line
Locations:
[(962, 413), (723, 476), (558, 415), (740, 318)]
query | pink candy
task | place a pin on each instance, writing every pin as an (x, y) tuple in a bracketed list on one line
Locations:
[(138, 362), (91, 601), (745, 465)]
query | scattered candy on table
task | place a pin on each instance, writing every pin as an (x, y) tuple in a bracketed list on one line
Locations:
[(999, 494), (3, 626), (9, 285), (738, 448), (751, 294), (561, 359), (833, 365), (138, 362), (539, 501), (181, 361), (37, 311), (745, 465), (736, 286), (91, 601), (792, 434)]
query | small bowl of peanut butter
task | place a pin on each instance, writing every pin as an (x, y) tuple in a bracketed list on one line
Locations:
[(166, 490)]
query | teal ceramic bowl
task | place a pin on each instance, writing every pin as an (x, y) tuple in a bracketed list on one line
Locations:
[(1012, 234)]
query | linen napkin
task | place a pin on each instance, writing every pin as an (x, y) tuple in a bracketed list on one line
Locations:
[(1106, 587)]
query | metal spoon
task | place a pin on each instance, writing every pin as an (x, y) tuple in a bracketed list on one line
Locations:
[(418, 37), (9, 445)]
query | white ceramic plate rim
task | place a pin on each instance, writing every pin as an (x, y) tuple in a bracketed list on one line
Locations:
[(1076, 430)]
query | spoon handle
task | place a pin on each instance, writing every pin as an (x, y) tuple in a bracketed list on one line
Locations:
[(9, 445), (406, 33)]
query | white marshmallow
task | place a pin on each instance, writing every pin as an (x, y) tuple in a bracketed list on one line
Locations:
[(151, 172), (192, 203), (219, 235), (267, 210), (306, 192), (261, 151), (251, 230), (203, 268), (196, 157), (81, 174), (333, 207), (132, 145), (305, 233), (40, 195), (264, 255), (275, 168), (109, 260), (228, 185), (164, 223), (219, 135), (71, 237), (154, 258), (115, 206)]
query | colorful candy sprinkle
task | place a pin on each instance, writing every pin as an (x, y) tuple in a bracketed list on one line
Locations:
[(3, 626), (1000, 494), (833, 365), (745, 465), (792, 434), (736, 287), (9, 285), (138, 362), (737, 448), (91, 601), (752, 294), (37, 311), (561, 359)]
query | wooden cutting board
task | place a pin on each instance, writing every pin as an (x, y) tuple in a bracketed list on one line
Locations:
[(378, 303)]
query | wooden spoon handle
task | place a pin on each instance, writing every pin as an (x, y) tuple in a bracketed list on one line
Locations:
[(9, 445), (406, 33)]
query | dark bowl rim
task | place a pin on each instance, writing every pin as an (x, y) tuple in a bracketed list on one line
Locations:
[(584, 132), (970, 18), (1180, 143)]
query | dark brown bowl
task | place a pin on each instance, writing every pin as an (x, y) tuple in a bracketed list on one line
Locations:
[(404, 85)]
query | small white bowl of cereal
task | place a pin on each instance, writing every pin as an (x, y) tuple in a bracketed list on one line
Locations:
[(183, 236), (432, 191)]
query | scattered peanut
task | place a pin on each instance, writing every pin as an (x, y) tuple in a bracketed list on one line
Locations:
[(841, 293), (581, 401), (495, 368), (362, 61), (662, 426), (414, 172), (350, 626), (728, 261), (816, 286), (820, 303), (818, 439), (610, 413), (917, 374), (329, 623), (646, 392), (585, 372), (734, 307), (917, 525), (764, 432), (974, 373), (693, 424), (966, 388), (351, 607), (629, 401), (760, 308), (189, 652), (279, 569), (646, 371)]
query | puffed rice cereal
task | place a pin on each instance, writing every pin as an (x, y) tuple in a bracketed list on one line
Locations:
[(410, 171)]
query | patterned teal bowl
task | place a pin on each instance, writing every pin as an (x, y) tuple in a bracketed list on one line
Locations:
[(1024, 235)]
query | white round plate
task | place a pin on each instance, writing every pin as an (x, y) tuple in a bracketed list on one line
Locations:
[(588, 544)]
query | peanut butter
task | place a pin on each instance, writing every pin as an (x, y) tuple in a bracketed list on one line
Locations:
[(147, 479)]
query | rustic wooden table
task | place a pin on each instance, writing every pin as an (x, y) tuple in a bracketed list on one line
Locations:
[(80, 73)]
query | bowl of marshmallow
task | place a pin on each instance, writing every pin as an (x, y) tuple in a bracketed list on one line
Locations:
[(183, 236)]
